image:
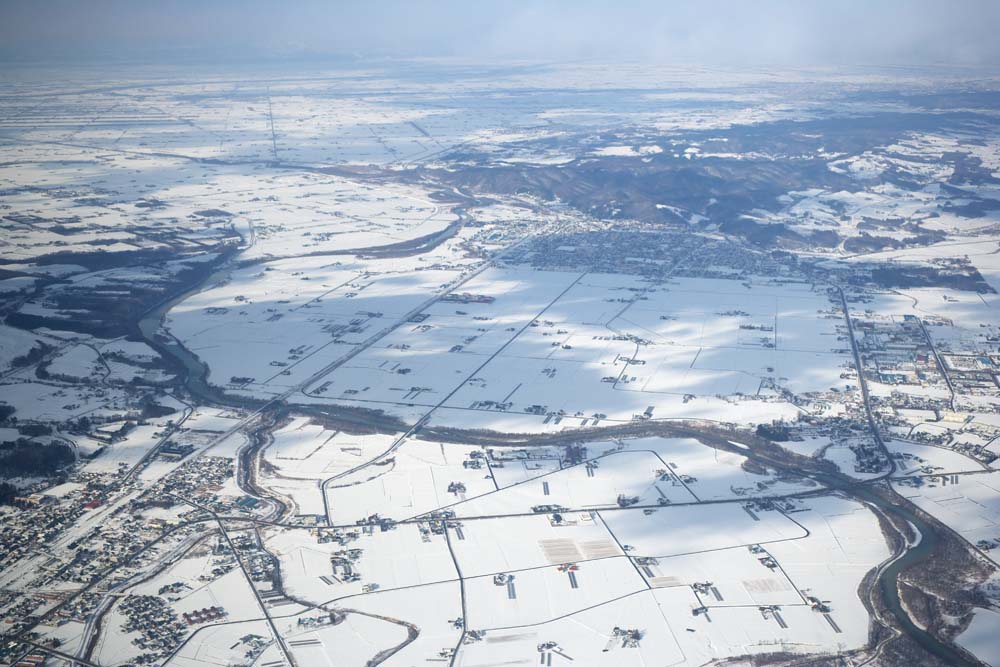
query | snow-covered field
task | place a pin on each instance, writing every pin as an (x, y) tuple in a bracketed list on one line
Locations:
[(440, 318)]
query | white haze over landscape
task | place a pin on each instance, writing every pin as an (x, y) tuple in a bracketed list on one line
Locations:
[(729, 32)]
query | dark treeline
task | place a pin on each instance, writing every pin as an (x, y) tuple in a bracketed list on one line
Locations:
[(26, 458)]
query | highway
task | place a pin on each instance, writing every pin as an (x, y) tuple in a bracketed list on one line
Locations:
[(938, 360), (863, 384)]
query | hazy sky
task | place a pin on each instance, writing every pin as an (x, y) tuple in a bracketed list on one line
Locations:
[(826, 32)]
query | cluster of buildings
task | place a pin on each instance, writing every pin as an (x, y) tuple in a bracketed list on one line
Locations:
[(199, 616), (896, 351), (938, 378), (156, 625), (199, 481), (258, 563), (55, 545), (639, 249)]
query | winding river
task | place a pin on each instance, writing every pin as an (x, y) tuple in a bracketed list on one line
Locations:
[(195, 380), (195, 371)]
